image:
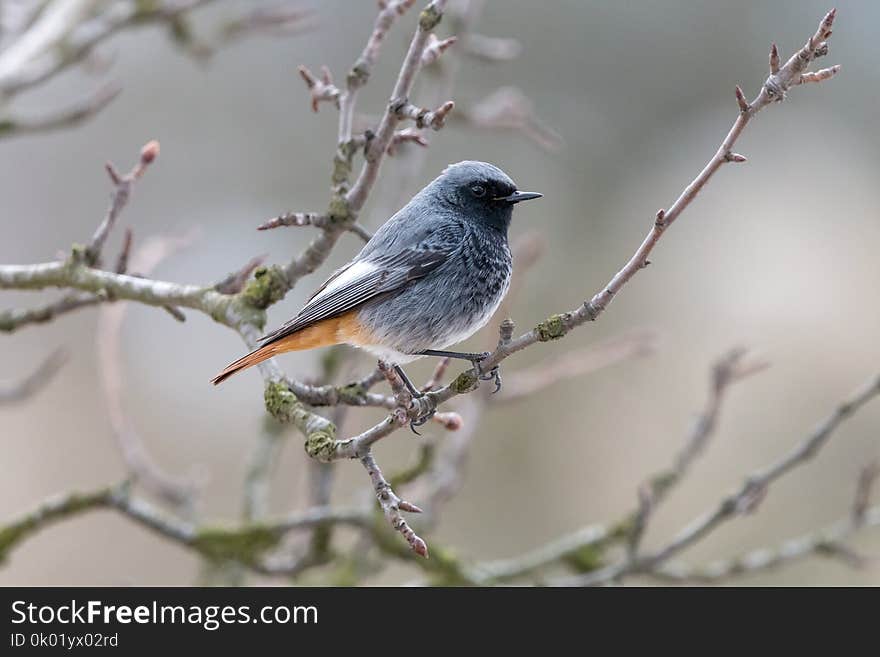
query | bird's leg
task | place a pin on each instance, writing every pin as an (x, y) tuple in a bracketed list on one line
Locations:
[(475, 359), (416, 394)]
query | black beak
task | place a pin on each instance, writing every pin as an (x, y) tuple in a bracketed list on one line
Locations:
[(518, 196)]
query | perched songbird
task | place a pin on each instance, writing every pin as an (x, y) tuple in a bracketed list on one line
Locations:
[(430, 277)]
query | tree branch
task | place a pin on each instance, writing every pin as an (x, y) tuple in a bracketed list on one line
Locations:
[(557, 326), (16, 391), (727, 370), (744, 500)]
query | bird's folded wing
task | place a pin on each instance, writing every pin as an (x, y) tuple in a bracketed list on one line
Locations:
[(361, 281)]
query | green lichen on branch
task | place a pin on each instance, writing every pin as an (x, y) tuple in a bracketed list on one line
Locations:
[(662, 482), (245, 544), (353, 393), (321, 444), (339, 211), (429, 18), (464, 382), (70, 505), (146, 9), (281, 403), (234, 311), (586, 559), (284, 406), (624, 529), (358, 75), (552, 328), (342, 166), (268, 286)]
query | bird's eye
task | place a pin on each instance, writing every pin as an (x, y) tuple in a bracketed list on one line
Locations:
[(478, 190)]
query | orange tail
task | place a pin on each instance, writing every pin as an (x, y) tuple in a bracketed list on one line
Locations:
[(343, 328)]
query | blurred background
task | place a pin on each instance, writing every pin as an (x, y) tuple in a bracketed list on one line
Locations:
[(778, 255)]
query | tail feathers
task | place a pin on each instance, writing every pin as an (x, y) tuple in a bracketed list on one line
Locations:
[(322, 334), (257, 356)]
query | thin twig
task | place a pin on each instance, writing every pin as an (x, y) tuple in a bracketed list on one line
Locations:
[(825, 543), (16, 391), (743, 500), (16, 126), (172, 490), (727, 370), (392, 505)]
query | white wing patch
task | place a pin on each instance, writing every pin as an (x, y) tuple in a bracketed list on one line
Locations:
[(357, 271)]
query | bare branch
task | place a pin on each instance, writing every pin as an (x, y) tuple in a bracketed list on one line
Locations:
[(774, 59), (393, 505), (246, 544), (728, 369), (436, 47), (407, 136), (867, 478), (280, 21), (60, 39), (321, 90), (13, 319), (744, 499), (818, 76), (296, 219), (557, 326), (573, 364), (558, 551), (74, 274), (509, 109), (423, 117), (142, 468), (69, 116), (827, 543), (50, 27), (428, 20), (235, 282), (123, 186), (363, 67)]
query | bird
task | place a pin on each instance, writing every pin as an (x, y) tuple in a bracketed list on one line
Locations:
[(430, 277)]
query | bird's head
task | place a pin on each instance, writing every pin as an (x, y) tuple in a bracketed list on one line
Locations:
[(481, 192)]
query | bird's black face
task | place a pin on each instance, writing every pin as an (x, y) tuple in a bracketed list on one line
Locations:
[(489, 200)]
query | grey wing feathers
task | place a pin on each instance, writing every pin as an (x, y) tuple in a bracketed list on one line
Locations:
[(380, 277)]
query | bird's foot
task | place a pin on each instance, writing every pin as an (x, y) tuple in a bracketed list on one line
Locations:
[(424, 417), (493, 374), (419, 421)]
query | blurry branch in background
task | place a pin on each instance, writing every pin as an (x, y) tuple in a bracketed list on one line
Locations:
[(173, 491), (240, 300), (830, 543), (90, 255), (588, 550), (576, 363), (729, 369), (41, 39), (509, 109), (744, 500), (65, 118), (16, 391)]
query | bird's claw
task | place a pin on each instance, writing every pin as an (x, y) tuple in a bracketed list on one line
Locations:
[(419, 421), (492, 375)]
